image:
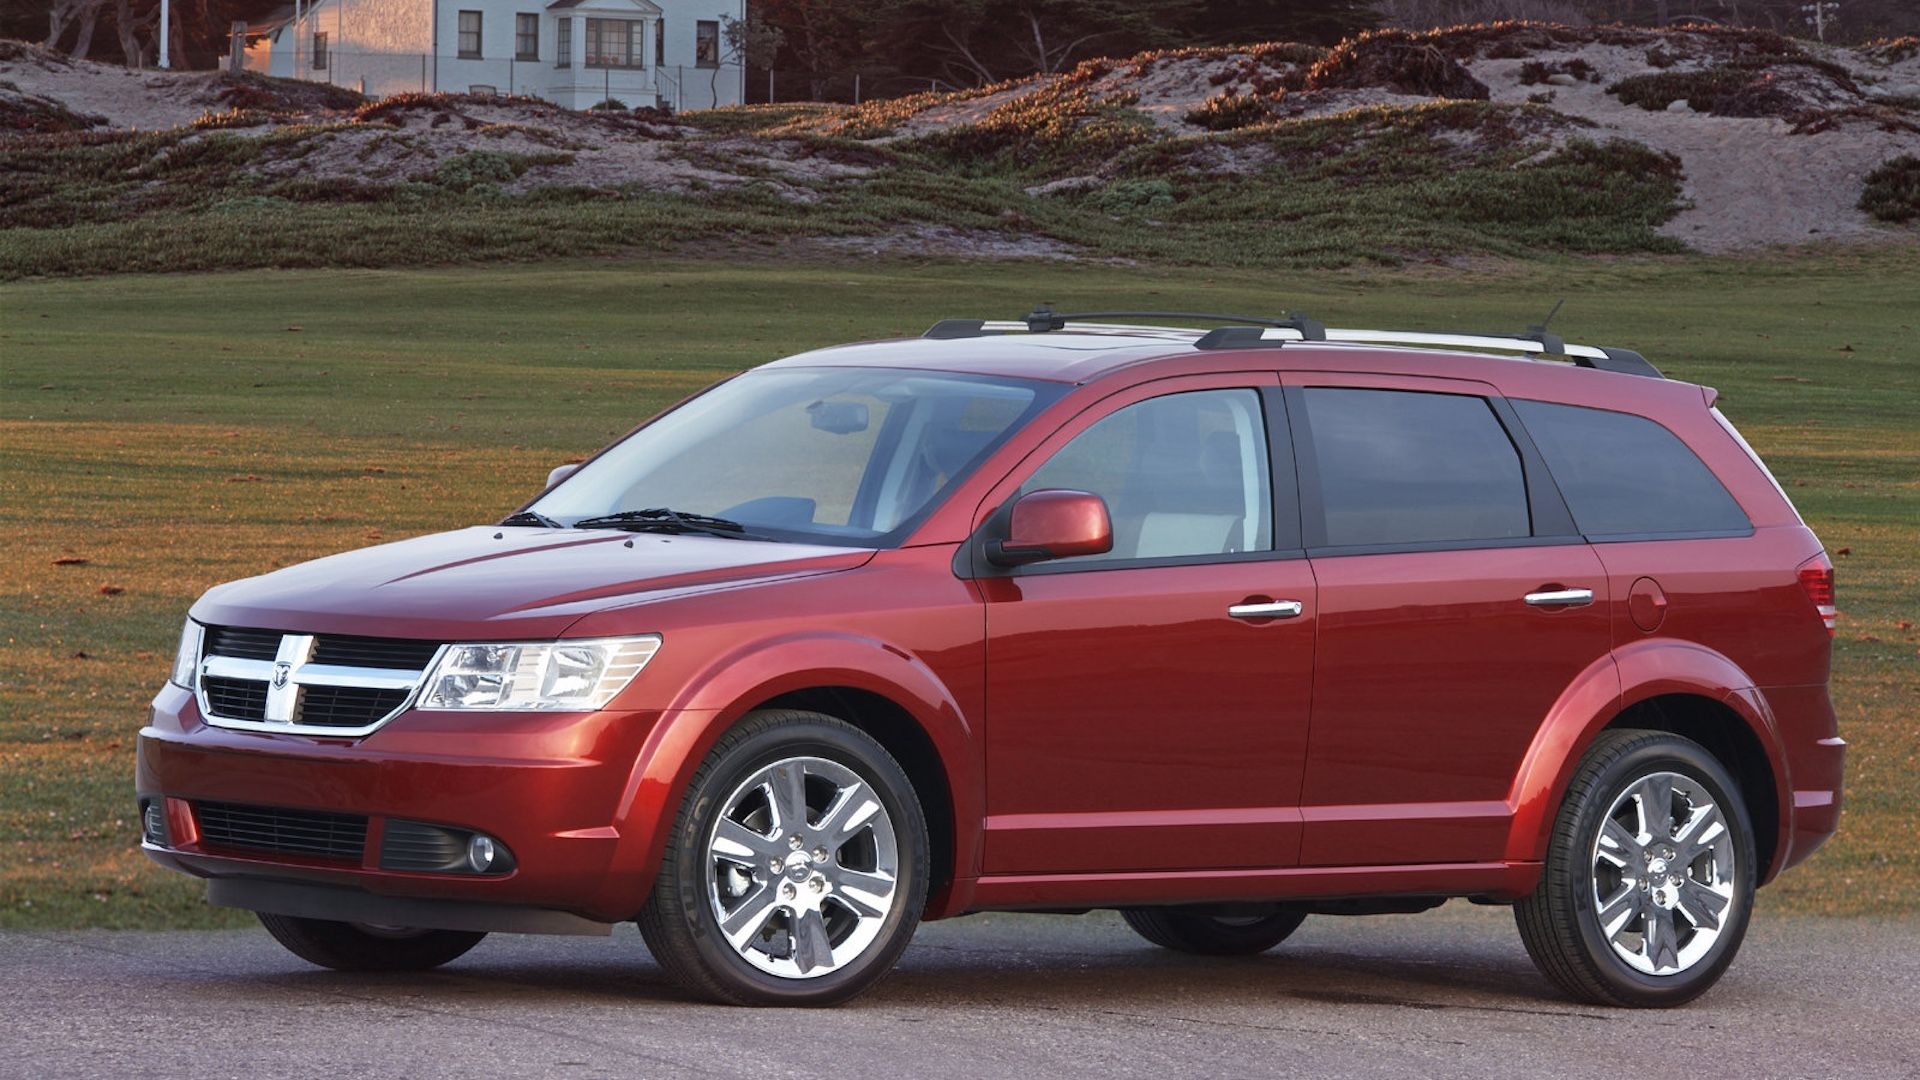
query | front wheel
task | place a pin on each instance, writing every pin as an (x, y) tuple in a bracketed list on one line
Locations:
[(797, 870), (356, 947), (1649, 875), (1205, 933)]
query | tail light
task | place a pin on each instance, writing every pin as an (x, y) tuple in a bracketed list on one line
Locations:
[(1816, 577)]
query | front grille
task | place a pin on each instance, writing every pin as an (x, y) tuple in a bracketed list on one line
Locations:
[(312, 833), (247, 644), (397, 653), (241, 664), (239, 699), (346, 706)]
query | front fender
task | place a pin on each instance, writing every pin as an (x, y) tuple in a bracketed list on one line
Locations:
[(755, 672), (1637, 672)]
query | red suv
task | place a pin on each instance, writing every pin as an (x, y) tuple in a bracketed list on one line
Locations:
[(1219, 629)]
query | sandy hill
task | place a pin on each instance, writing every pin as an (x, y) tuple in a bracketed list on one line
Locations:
[(1768, 140)]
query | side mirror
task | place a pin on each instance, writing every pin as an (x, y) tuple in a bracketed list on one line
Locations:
[(1053, 525), (560, 473)]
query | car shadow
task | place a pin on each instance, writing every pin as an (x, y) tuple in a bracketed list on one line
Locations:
[(944, 974)]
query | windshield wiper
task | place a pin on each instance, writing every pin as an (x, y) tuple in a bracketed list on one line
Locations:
[(531, 517), (660, 519)]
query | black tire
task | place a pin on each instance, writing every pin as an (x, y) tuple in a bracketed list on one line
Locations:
[(679, 923), (1559, 923), (346, 947), (1197, 931)]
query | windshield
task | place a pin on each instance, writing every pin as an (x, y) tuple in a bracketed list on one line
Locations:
[(853, 456)]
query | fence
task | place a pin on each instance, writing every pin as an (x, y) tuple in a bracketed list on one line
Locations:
[(765, 87), (676, 86), (381, 74)]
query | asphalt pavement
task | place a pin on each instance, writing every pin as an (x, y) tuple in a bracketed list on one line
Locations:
[(1443, 994)]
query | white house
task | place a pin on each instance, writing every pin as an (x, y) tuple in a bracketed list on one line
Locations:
[(575, 53)]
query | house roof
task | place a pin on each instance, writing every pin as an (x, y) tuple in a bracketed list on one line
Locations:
[(267, 24), (644, 7)]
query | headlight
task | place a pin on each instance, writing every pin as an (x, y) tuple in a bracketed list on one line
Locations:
[(186, 662), (571, 675)]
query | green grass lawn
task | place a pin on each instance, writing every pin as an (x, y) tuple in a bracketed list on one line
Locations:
[(175, 432)]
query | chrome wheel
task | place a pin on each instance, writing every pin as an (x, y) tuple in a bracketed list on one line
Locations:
[(802, 867), (1663, 874)]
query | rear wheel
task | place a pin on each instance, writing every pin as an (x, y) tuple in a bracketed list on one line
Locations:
[(1649, 876), (797, 870), (356, 947), (1206, 933)]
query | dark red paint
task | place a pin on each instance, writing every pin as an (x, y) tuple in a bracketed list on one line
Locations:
[(1104, 737)]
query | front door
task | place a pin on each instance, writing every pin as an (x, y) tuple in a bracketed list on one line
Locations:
[(1457, 605), (1147, 708)]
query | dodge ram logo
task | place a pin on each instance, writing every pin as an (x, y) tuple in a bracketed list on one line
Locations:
[(282, 670)]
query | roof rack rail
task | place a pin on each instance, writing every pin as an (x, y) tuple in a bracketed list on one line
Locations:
[(1258, 331), (1538, 343), (1044, 319)]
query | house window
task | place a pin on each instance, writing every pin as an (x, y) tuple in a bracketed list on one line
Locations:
[(660, 43), (706, 43), (563, 43), (526, 37), (319, 52), (470, 35), (616, 43)]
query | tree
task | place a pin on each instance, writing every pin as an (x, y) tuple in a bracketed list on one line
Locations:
[(823, 37), (63, 13), (985, 41), (749, 42), (1240, 22)]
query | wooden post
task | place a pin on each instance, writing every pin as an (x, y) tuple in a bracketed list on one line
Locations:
[(237, 47)]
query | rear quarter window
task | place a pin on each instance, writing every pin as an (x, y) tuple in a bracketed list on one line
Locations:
[(1399, 467), (1625, 475)]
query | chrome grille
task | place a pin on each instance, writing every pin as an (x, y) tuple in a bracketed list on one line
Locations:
[(241, 699), (346, 706), (249, 644), (313, 833), (397, 653), (316, 684)]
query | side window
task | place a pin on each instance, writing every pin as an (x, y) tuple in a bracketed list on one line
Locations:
[(469, 35), (1405, 467), (1182, 475), (706, 44), (1625, 475)]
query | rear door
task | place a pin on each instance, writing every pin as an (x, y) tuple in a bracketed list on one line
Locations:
[(1457, 603)]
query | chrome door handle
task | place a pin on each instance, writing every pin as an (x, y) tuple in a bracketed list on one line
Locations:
[(1560, 598), (1272, 609)]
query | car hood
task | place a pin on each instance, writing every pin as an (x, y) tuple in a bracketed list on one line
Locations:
[(489, 583)]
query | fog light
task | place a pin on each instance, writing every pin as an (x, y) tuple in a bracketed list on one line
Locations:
[(480, 853), (153, 822)]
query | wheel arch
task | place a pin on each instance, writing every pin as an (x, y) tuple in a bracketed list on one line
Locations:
[(1665, 685), (879, 688)]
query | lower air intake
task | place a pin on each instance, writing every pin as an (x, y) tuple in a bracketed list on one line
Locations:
[(309, 833)]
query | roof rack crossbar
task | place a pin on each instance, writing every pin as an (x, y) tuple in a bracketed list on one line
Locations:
[(1044, 319)]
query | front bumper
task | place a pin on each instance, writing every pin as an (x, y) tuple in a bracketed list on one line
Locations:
[(556, 789)]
